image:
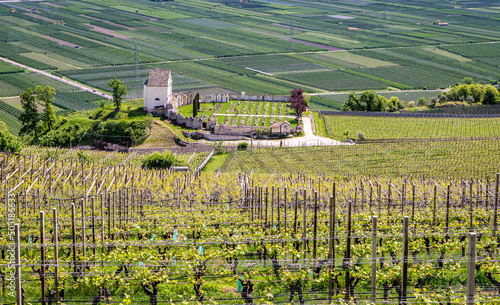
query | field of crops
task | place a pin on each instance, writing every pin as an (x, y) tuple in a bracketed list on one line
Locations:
[(246, 113), (96, 227), (375, 127), (470, 158), (232, 46)]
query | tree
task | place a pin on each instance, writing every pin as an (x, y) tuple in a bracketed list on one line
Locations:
[(30, 118), (196, 105), (491, 96), (468, 81), (45, 96), (352, 103), (298, 102), (394, 104), (7, 141), (119, 91), (367, 101)]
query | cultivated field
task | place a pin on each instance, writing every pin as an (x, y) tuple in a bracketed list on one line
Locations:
[(226, 46), (246, 113), (376, 127), (96, 227)]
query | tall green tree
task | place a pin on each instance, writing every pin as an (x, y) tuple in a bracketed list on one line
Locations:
[(119, 91), (30, 118), (196, 105), (491, 96), (45, 96)]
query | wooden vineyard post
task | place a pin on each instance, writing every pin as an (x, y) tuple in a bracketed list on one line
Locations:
[(102, 197), (331, 244), (296, 211), (471, 269), (315, 225), (412, 202), (495, 206), (278, 210), (56, 252), (447, 218), (261, 200), (266, 206), (251, 205), (42, 258), (92, 202), (109, 215), (389, 200), (403, 197), (304, 232), (379, 194), (487, 196), (19, 293), (285, 201), (113, 216), (374, 261), (272, 207), (404, 279), (347, 259), (73, 233), (371, 198), (471, 209), (434, 208), (84, 251)]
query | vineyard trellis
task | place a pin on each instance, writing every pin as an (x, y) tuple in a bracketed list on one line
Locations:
[(120, 233)]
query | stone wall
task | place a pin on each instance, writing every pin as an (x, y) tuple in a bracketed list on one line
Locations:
[(190, 122), (236, 130)]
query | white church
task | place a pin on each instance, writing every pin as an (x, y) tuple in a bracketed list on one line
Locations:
[(158, 97)]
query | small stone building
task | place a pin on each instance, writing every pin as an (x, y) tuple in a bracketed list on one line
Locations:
[(157, 90)]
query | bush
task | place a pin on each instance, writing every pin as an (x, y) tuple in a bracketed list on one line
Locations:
[(243, 146), (161, 160), (9, 143), (411, 104), (422, 101), (361, 136)]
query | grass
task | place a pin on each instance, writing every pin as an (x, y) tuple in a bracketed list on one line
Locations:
[(215, 163), (319, 125)]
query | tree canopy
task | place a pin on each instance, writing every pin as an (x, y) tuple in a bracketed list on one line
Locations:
[(45, 96), (30, 119), (366, 101), (298, 102), (119, 91)]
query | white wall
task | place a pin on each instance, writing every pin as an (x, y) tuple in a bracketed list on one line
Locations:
[(151, 93)]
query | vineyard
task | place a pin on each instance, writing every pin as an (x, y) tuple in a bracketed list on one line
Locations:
[(97, 228), (259, 48), (397, 127), (245, 113)]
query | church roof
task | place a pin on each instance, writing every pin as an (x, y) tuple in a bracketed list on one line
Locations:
[(158, 77)]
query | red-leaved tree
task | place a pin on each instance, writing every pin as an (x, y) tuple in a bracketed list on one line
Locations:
[(298, 102)]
